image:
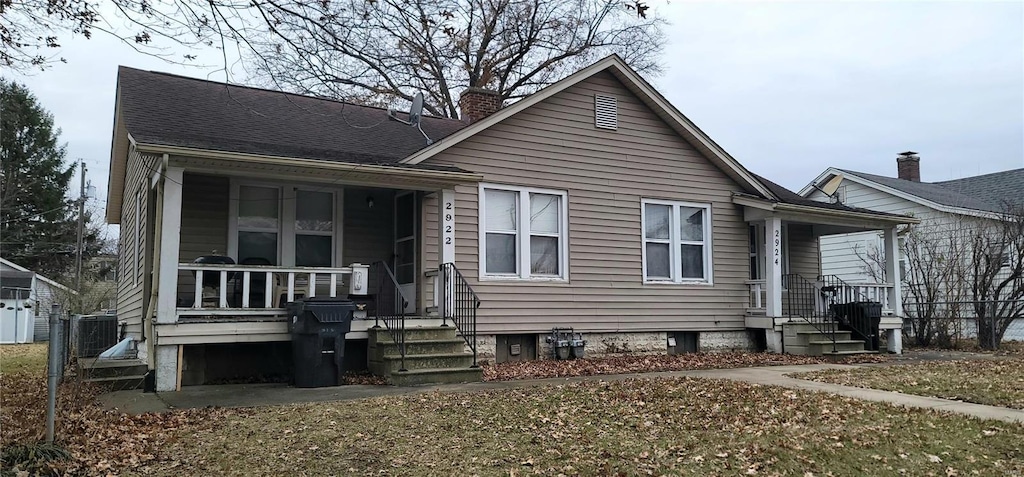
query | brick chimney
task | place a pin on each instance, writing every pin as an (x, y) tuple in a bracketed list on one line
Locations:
[(478, 103), (908, 166)]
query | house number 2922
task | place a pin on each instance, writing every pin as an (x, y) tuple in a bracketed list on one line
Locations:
[(449, 223)]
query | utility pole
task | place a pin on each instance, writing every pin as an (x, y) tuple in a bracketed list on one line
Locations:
[(81, 231)]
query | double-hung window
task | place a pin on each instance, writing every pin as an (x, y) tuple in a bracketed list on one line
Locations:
[(676, 242), (523, 233)]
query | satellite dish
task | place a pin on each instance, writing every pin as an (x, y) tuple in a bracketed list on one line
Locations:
[(832, 185), (416, 110)]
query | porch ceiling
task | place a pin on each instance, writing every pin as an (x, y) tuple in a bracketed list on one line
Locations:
[(394, 176)]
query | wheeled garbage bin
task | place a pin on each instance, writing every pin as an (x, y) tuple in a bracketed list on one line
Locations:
[(318, 327)]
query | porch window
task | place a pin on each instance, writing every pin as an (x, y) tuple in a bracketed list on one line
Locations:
[(676, 242), (523, 233), (258, 224), (314, 228)]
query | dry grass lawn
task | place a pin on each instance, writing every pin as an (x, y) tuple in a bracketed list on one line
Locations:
[(683, 426), (23, 358), (992, 382)]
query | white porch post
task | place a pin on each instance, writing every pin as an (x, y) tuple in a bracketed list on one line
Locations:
[(445, 246), (773, 279), (895, 293), (167, 293)]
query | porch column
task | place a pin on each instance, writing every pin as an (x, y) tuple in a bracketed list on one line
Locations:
[(445, 246), (773, 266), (895, 293), (773, 280), (167, 276)]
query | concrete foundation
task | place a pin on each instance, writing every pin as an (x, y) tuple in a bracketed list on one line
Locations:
[(774, 341), (894, 338), (166, 368), (726, 341)]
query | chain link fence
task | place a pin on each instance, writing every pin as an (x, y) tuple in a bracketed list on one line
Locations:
[(964, 324)]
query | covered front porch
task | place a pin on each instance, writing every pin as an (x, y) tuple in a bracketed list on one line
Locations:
[(235, 241), (787, 288)]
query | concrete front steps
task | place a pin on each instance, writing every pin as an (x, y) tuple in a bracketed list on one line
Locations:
[(433, 355), (113, 374), (801, 338)]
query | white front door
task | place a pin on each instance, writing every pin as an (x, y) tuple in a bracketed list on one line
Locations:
[(405, 247)]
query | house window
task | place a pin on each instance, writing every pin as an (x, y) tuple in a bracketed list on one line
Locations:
[(258, 224), (756, 237), (677, 242), (523, 233)]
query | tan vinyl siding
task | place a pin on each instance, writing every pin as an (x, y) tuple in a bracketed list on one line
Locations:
[(555, 145), (204, 223), (130, 288), (803, 251)]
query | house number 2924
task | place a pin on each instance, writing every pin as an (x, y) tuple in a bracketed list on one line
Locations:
[(777, 251)]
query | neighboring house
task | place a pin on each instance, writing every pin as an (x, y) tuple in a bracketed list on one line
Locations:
[(21, 286), (591, 204), (945, 208)]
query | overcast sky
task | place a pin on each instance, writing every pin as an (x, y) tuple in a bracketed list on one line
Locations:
[(788, 88)]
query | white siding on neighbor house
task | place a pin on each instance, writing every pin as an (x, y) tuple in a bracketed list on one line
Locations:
[(130, 292), (842, 254), (45, 295), (555, 145)]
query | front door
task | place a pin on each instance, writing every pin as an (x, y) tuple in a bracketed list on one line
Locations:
[(405, 246)]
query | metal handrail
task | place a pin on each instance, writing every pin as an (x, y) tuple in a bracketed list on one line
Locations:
[(805, 299), (849, 294), (460, 304), (390, 303)]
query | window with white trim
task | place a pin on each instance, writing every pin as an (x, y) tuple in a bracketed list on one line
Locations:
[(523, 233), (676, 242)]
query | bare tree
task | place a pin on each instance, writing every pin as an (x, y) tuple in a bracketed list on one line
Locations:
[(935, 258), (996, 276), (380, 51)]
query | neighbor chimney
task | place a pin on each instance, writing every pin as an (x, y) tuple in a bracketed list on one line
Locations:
[(478, 103), (908, 166)]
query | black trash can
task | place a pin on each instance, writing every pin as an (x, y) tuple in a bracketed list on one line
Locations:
[(318, 327), (863, 319)]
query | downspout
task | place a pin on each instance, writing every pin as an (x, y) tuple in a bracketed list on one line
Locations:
[(147, 318)]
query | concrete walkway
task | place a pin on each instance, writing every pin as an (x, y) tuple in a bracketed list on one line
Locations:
[(249, 395)]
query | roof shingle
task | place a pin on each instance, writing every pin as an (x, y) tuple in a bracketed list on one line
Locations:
[(986, 192), (165, 109)]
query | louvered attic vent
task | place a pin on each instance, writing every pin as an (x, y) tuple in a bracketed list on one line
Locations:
[(606, 112)]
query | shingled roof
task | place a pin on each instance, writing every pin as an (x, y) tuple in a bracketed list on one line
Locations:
[(985, 192), (171, 110), (787, 196)]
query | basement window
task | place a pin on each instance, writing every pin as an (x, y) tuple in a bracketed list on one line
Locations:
[(606, 112)]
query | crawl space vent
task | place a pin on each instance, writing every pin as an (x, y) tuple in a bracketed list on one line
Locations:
[(606, 112)]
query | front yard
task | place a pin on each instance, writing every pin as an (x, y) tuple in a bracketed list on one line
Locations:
[(993, 382), (634, 427), (675, 426)]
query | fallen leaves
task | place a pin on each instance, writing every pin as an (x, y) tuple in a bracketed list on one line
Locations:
[(996, 382), (636, 363)]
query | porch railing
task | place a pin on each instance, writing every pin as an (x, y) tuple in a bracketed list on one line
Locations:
[(810, 302), (460, 306), (391, 304), (264, 289), (757, 295)]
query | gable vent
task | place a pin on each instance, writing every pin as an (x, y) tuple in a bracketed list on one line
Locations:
[(606, 112)]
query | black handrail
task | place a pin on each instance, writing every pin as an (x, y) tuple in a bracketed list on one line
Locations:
[(460, 305), (858, 323), (812, 303), (390, 305)]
